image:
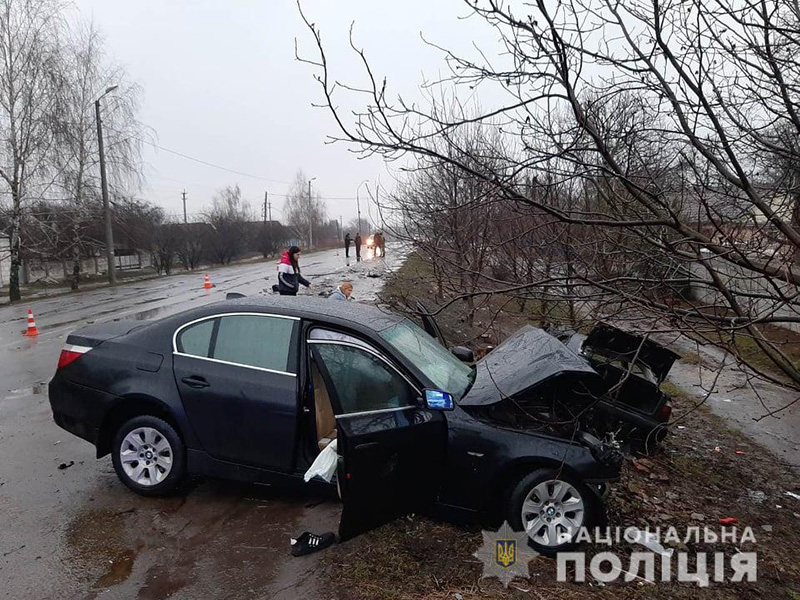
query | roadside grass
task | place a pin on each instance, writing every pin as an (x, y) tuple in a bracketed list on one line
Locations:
[(787, 341), (705, 471), (693, 358), (673, 391), (745, 346)]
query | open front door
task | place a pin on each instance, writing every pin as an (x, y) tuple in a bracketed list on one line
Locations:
[(429, 324), (391, 447)]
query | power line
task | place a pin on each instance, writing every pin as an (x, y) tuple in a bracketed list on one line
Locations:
[(216, 166), (208, 164)]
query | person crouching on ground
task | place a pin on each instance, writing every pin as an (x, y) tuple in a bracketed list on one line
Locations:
[(342, 292), (289, 277)]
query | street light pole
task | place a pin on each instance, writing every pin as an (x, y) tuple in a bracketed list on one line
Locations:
[(358, 204), (112, 274)]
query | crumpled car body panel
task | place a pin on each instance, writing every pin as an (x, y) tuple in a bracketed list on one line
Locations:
[(526, 359)]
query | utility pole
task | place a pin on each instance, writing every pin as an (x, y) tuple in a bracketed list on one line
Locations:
[(266, 245), (112, 274), (310, 217), (185, 220)]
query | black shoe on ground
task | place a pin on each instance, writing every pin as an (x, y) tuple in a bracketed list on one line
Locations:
[(307, 543)]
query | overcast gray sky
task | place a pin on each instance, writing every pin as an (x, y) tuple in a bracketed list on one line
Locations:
[(221, 84)]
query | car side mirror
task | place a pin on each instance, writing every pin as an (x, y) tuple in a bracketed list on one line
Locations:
[(439, 400), (463, 354)]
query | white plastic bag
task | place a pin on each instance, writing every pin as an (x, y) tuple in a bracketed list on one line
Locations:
[(325, 464)]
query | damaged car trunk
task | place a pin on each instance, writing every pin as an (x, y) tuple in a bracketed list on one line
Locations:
[(605, 384), (633, 368)]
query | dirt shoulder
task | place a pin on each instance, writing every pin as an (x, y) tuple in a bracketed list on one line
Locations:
[(706, 471)]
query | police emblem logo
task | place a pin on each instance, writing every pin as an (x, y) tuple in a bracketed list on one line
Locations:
[(506, 553)]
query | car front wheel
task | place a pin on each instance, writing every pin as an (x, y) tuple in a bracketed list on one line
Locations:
[(552, 509), (149, 456)]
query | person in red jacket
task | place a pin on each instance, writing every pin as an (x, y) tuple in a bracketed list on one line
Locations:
[(289, 277)]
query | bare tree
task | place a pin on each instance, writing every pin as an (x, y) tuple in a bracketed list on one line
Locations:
[(305, 209), (84, 74), (29, 33), (450, 214), (664, 123), (353, 227), (191, 244), (228, 218)]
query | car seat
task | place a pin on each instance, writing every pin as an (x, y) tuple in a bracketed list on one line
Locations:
[(325, 419)]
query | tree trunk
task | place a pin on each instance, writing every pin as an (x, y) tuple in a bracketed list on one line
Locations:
[(76, 267), (16, 218)]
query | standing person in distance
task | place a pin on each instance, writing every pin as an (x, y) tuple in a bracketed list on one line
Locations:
[(358, 247), (289, 277), (347, 241), (383, 245)]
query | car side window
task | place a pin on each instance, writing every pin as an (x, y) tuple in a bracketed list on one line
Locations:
[(255, 341), (362, 381), (196, 339)]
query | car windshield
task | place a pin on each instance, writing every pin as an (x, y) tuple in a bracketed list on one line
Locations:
[(445, 371)]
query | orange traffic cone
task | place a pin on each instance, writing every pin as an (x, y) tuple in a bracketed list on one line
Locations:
[(207, 285), (32, 331)]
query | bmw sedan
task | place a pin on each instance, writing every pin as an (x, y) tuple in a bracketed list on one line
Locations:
[(254, 388)]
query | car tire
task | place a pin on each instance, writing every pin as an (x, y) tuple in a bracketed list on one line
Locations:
[(149, 456), (560, 495)]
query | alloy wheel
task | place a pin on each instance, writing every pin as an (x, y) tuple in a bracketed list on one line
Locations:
[(146, 456), (553, 512)]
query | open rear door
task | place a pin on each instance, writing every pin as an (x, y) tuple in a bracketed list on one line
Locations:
[(391, 448), (429, 324)]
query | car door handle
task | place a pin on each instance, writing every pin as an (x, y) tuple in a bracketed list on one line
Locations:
[(195, 381)]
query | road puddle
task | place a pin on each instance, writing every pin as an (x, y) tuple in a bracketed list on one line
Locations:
[(96, 542), (118, 571), (161, 583), (150, 313)]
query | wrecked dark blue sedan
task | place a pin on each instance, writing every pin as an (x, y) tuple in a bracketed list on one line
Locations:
[(254, 388)]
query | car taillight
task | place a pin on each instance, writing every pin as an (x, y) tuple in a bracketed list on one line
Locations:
[(69, 354), (665, 412)]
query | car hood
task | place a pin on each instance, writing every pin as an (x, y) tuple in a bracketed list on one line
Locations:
[(526, 359), (607, 339)]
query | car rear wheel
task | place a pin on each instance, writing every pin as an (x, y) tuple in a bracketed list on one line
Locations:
[(551, 508), (149, 456)]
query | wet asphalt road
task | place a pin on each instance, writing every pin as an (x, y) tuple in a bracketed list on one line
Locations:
[(76, 532)]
